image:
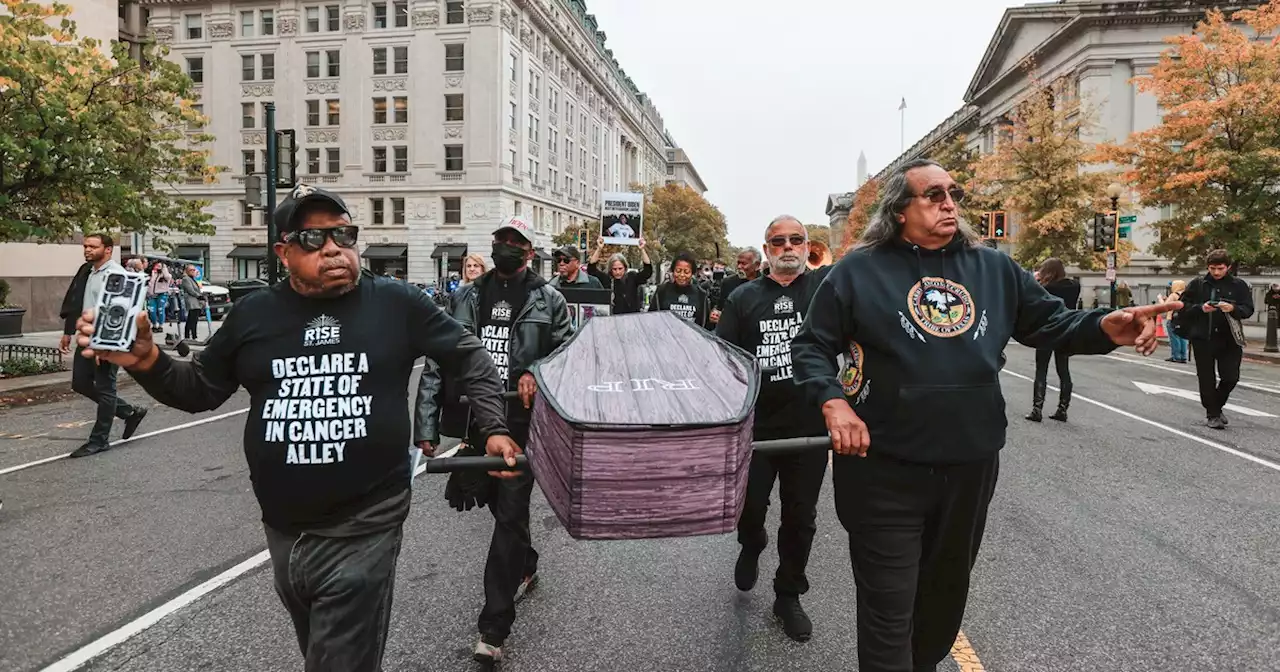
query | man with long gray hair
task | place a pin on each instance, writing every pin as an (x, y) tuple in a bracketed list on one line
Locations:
[(921, 311), (761, 317)]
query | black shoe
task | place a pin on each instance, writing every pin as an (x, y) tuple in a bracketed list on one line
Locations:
[(1223, 418), (90, 449), (526, 586), (795, 622), (1060, 415), (1034, 415), (747, 570), (1216, 422), (131, 423)]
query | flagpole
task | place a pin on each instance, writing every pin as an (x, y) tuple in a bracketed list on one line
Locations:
[(902, 127)]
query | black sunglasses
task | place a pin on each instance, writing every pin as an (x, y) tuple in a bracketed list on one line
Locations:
[(938, 195), (779, 241), (312, 240)]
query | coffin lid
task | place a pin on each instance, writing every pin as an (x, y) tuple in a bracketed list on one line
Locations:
[(645, 371)]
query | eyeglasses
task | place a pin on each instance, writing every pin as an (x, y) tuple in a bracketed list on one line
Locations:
[(779, 241), (312, 240), (938, 195), (563, 260)]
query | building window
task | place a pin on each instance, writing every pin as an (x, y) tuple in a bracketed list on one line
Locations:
[(199, 110), (313, 19), (380, 61), (553, 100), (453, 107), (553, 138), (453, 13), (375, 207), (313, 113), (247, 70), (512, 65), (268, 67), (512, 112), (195, 69), (334, 58), (401, 13), (313, 161), (195, 26), (401, 154), (268, 21), (333, 17), (511, 161), (379, 20), (402, 109), (401, 56), (333, 158), (246, 214), (334, 113), (379, 159), (553, 177), (379, 110), (247, 23), (248, 115), (671, 170), (533, 171), (249, 160), (535, 85), (397, 212), (454, 57), (582, 123), (452, 211), (313, 64), (533, 128), (671, 156), (453, 158), (582, 161)]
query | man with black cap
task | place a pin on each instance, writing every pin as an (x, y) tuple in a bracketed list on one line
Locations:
[(326, 358), (569, 271), (520, 318)]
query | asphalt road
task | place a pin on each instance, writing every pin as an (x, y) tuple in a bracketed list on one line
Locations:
[(1113, 544)]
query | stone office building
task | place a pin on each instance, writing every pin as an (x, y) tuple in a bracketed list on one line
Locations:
[(434, 119)]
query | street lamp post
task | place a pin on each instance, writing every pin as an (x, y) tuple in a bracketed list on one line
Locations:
[(1113, 192)]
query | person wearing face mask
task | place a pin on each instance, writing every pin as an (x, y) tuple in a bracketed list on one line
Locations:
[(761, 317), (682, 295), (625, 283), (921, 312), (520, 318)]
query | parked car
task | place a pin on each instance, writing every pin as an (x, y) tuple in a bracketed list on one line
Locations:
[(244, 287), (218, 298)]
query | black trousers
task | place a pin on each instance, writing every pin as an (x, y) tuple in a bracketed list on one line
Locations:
[(799, 477), (338, 591), (914, 532), (193, 319), (97, 382), (1061, 361), (511, 553), (1225, 355)]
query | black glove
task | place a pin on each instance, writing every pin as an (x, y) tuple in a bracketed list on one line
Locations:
[(468, 488)]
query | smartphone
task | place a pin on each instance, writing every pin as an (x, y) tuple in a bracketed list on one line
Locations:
[(124, 297)]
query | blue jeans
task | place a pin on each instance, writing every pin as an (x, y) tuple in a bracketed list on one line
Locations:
[(157, 307), (338, 592), (1178, 347)]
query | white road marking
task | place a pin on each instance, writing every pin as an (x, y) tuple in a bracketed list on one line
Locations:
[(1195, 396), (166, 430), (97, 647), (1260, 387), (1186, 435)]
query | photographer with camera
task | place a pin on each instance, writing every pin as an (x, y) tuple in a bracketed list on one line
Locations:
[(326, 358), (95, 379)]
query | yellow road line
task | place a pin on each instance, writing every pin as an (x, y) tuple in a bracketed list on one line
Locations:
[(964, 655)]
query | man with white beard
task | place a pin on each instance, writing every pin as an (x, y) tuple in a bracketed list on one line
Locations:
[(762, 316)]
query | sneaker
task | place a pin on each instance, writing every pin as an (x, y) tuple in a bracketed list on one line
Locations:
[(131, 423), (795, 622), (89, 449), (487, 653), (1216, 422), (530, 582), (747, 570)]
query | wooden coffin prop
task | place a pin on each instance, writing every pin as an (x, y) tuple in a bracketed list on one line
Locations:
[(642, 429)]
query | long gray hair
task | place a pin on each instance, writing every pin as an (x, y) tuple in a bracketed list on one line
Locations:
[(618, 257), (895, 196)]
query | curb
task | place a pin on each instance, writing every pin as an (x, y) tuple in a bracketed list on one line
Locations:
[(54, 387), (1256, 357)]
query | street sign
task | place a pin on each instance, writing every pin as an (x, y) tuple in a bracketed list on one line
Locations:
[(1128, 219), (1111, 275), (1124, 232), (1111, 261)]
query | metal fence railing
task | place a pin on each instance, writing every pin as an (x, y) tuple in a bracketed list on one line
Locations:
[(45, 357)]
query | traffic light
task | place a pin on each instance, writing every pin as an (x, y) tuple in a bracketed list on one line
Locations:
[(287, 159), (1105, 232), (997, 228), (582, 239)]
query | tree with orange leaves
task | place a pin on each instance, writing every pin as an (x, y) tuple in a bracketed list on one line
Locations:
[(1215, 159), (865, 201)]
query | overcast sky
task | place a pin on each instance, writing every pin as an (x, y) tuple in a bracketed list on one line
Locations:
[(773, 101)]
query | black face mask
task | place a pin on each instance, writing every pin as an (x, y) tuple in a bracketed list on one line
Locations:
[(507, 258)]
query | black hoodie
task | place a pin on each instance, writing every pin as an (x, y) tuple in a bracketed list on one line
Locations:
[(690, 302), (1200, 325), (921, 333)]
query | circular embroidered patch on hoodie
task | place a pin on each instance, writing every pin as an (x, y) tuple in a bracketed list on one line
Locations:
[(851, 377), (941, 307)]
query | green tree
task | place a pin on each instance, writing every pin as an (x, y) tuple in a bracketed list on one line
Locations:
[(865, 202), (1215, 158), (1041, 172), (90, 141), (960, 161)]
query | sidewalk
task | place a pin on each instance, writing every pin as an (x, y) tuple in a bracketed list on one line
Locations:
[(26, 390), (1255, 336)]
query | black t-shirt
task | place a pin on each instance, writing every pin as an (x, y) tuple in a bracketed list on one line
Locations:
[(499, 304), (762, 317), (689, 301), (327, 434)]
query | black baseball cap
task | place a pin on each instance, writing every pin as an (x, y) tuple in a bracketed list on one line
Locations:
[(286, 214), (568, 251)]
